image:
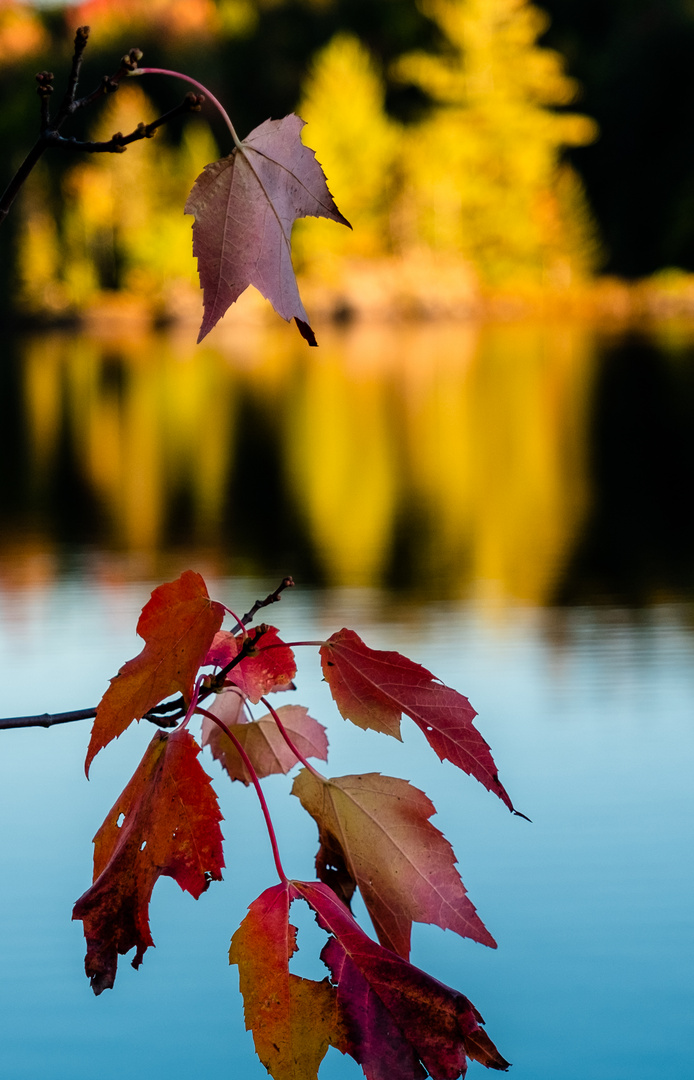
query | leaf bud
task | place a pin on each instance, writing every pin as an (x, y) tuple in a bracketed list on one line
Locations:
[(117, 141), (131, 58), (44, 80)]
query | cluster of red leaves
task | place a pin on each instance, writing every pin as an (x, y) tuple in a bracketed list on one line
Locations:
[(374, 831), (391, 1017)]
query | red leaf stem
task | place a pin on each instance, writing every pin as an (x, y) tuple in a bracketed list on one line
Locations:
[(193, 82), (287, 738), (259, 791)]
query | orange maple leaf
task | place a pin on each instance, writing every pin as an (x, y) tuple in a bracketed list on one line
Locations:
[(178, 624), (170, 827)]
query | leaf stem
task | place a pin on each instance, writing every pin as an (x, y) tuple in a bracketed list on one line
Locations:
[(203, 89), (259, 791), (239, 622), (287, 738), (195, 697)]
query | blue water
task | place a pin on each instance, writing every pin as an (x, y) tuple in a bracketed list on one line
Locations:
[(590, 714)]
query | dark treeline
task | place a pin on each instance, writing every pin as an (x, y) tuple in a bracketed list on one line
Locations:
[(635, 60)]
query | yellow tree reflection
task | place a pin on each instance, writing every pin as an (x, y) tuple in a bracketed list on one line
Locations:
[(462, 444)]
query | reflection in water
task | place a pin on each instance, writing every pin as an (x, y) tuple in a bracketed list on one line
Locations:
[(445, 457)]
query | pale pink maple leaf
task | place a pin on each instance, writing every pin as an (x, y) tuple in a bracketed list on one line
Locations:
[(245, 206)]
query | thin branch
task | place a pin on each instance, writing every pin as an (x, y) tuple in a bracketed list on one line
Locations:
[(248, 648), (81, 38), (108, 85), (163, 716), (46, 720), (50, 129), (15, 184), (118, 142), (168, 714), (273, 598)]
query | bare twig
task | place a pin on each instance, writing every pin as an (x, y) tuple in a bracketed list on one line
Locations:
[(50, 129), (159, 715), (273, 598), (66, 106), (46, 720), (118, 143)]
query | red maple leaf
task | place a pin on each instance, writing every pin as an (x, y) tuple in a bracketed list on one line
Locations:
[(269, 666), (293, 1020), (170, 827), (245, 206), (178, 624), (375, 832), (261, 739), (401, 1023), (396, 1021), (373, 688)]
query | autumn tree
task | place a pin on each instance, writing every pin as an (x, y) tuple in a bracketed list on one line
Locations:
[(484, 174)]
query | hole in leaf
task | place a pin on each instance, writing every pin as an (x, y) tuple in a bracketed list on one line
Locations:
[(121, 819), (143, 845), (306, 961)]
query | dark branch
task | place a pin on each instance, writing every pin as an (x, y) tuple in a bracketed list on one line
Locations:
[(15, 184), (117, 143), (66, 106), (50, 129), (46, 720), (273, 598)]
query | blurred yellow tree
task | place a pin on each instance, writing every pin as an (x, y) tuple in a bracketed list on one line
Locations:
[(483, 174), (21, 32), (358, 146)]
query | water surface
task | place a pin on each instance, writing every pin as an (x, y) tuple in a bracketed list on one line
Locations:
[(504, 505)]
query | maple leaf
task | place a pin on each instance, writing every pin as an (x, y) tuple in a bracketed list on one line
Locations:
[(245, 206), (261, 738), (293, 1020), (170, 827), (373, 688), (401, 1023), (269, 666), (374, 832), (178, 624)]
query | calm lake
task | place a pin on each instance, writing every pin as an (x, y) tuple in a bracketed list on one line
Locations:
[(508, 504)]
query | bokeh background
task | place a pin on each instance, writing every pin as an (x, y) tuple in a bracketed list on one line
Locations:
[(488, 463)]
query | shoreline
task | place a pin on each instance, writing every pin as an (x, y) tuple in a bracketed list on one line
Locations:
[(394, 291)]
